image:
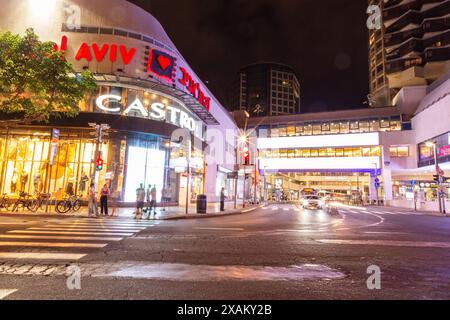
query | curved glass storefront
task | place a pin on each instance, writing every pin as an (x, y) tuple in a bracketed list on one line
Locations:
[(131, 157)]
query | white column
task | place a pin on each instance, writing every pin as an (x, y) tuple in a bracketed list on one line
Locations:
[(386, 174)]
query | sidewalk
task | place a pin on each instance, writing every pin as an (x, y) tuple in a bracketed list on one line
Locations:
[(169, 213)]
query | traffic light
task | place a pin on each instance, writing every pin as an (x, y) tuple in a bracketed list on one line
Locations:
[(99, 164), (246, 156), (377, 183)]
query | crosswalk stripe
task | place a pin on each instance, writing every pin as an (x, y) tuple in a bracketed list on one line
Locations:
[(225, 229), (118, 225), (49, 237), (84, 229), (75, 228), (414, 244), (73, 232), (41, 256), (52, 244), (6, 292)]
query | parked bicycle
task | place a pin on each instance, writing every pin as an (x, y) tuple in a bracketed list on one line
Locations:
[(41, 199), (71, 203), (23, 202), (5, 203)]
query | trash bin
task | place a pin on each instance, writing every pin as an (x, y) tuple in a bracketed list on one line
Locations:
[(201, 203)]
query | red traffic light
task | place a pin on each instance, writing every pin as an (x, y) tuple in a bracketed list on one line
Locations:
[(99, 164), (246, 156)]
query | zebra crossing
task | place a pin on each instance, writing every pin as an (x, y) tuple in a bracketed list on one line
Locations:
[(66, 240)]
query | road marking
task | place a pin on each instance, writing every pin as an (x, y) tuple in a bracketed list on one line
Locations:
[(286, 209), (84, 229), (384, 232), (415, 244), (90, 225), (187, 272), (49, 237), (51, 244), (6, 292), (74, 233), (41, 255), (226, 229)]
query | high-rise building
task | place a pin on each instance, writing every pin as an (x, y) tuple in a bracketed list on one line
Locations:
[(266, 89), (412, 47)]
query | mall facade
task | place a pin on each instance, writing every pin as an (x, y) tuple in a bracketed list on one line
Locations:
[(161, 115), (345, 152)]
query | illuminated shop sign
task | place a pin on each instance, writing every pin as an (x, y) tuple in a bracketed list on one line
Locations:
[(157, 111), (112, 51), (159, 63), (194, 88)]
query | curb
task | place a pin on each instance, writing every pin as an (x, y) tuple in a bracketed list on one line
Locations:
[(212, 215), (178, 217)]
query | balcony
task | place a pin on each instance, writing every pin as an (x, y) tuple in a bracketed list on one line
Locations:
[(394, 12)]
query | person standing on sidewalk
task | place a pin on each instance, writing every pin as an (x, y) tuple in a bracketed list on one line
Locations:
[(92, 201), (222, 199), (104, 200), (140, 199)]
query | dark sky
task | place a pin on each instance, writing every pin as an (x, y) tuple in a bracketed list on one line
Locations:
[(325, 41)]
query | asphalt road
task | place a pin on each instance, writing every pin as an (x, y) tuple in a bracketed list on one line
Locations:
[(276, 252)]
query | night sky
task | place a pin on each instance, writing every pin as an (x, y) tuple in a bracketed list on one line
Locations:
[(325, 41)]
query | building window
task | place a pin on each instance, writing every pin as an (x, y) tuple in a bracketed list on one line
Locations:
[(399, 152)]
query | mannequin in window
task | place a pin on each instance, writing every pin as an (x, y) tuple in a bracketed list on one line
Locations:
[(36, 181), (14, 179), (23, 181), (69, 189), (83, 182)]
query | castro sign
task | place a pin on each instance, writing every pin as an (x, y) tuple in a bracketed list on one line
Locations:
[(157, 111)]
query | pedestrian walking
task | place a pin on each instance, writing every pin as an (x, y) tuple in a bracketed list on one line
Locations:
[(222, 199), (115, 197), (140, 199), (151, 201), (92, 201), (165, 197), (104, 194)]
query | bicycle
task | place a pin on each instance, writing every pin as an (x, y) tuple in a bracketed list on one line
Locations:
[(23, 202), (5, 203), (71, 203), (40, 200)]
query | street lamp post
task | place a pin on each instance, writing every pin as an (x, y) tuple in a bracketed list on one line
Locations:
[(376, 188), (188, 173)]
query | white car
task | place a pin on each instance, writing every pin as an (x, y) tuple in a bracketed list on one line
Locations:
[(313, 202)]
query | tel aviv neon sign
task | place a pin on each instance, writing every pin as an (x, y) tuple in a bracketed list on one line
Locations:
[(157, 111), (158, 64)]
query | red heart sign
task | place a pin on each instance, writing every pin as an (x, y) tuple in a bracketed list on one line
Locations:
[(164, 62)]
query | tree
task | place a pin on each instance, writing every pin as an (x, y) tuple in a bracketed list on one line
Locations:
[(37, 82)]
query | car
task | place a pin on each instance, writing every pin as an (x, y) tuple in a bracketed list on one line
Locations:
[(313, 202)]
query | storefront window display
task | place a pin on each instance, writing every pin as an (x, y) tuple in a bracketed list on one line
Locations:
[(26, 168)]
